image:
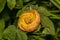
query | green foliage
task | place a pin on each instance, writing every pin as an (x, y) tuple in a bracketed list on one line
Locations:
[(11, 3), (10, 33), (2, 4), (21, 35), (19, 4), (57, 4), (49, 11), (2, 25), (20, 11), (38, 29), (44, 11), (47, 23)]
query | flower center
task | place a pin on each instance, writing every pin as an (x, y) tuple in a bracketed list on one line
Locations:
[(29, 18)]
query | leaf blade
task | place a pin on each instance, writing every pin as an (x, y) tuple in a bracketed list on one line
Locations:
[(47, 23), (21, 35), (11, 3), (2, 5), (2, 25), (19, 4), (58, 6), (10, 33), (44, 11)]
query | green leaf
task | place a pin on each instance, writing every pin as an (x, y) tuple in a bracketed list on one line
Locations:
[(56, 4), (25, 8), (58, 30), (54, 11), (21, 35), (55, 16), (38, 29), (47, 23), (21, 11), (11, 3), (10, 33), (31, 38), (46, 31), (2, 25), (44, 11), (2, 4), (26, 0), (58, 1), (19, 4), (34, 7)]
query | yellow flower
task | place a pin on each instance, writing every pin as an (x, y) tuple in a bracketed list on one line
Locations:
[(29, 20)]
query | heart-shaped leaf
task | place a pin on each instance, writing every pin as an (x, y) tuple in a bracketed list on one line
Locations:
[(11, 3)]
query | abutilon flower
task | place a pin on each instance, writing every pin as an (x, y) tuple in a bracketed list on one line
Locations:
[(29, 20)]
